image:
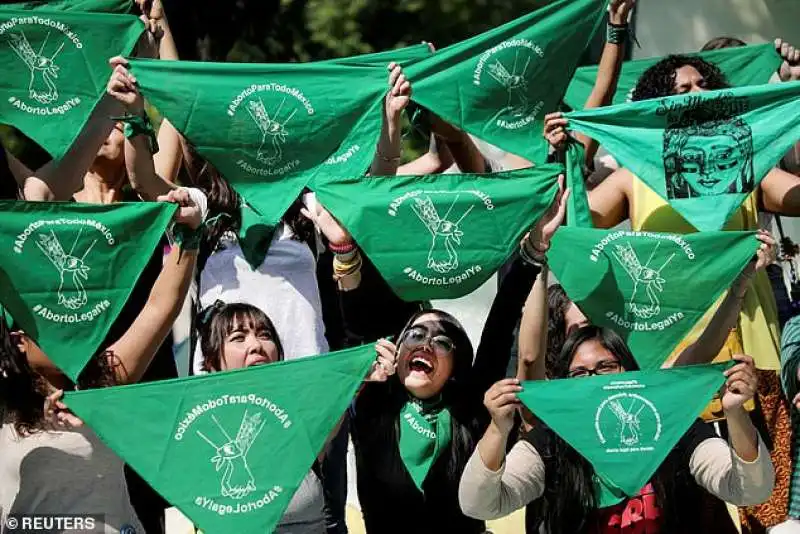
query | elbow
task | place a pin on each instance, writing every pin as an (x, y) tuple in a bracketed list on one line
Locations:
[(474, 504)]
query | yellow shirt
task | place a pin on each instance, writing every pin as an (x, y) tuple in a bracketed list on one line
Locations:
[(758, 321)]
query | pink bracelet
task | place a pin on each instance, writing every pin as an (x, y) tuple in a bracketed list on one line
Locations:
[(342, 249)]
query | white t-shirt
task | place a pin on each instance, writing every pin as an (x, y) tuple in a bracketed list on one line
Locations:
[(64, 472), (284, 287)]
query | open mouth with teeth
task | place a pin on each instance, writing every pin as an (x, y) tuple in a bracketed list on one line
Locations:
[(422, 362)]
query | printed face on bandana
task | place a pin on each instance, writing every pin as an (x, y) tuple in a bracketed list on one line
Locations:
[(592, 358), (249, 344), (425, 357), (708, 159)]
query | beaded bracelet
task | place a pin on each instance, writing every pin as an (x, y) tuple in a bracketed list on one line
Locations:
[(343, 248)]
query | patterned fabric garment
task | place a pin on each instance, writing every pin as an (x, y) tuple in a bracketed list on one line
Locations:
[(790, 362)]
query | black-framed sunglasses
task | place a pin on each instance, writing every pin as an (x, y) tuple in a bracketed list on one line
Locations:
[(606, 367), (419, 335)]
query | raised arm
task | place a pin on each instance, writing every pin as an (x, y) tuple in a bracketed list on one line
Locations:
[(437, 159), (711, 341), (494, 349), (139, 162), (132, 353), (60, 179), (168, 159), (387, 155), (739, 472), (533, 331)]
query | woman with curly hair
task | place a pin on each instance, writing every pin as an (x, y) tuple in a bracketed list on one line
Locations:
[(624, 196)]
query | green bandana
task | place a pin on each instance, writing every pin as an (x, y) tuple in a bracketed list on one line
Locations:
[(67, 269), (425, 432), (742, 65), (704, 153), (650, 288), (55, 67), (441, 236), (270, 129), (578, 212), (500, 84), (99, 6), (625, 424), (229, 449), (403, 56)]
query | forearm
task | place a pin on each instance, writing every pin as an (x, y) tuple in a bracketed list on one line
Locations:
[(136, 348), (466, 155), (141, 169), (533, 332), (492, 447), (713, 338), (742, 435), (486, 493), (387, 155), (58, 180), (434, 161)]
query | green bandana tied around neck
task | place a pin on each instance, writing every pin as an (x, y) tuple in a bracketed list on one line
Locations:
[(425, 432), (441, 236), (627, 423), (67, 270), (228, 449), (651, 288), (742, 65), (500, 84), (55, 70), (271, 130), (100, 6), (704, 153)]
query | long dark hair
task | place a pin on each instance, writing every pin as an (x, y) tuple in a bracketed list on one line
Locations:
[(218, 320), (557, 305), (659, 80), (23, 390), (224, 205), (569, 504), (455, 395)]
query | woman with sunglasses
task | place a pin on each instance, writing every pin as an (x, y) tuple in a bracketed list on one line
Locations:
[(556, 484), (414, 431)]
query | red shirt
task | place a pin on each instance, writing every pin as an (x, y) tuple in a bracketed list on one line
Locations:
[(637, 515)]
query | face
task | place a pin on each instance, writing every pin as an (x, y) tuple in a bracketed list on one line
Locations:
[(425, 357), (689, 80), (711, 164), (593, 358), (113, 148), (574, 318), (247, 345)]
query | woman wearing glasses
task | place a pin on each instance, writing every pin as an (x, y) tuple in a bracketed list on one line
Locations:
[(556, 484), (414, 431)]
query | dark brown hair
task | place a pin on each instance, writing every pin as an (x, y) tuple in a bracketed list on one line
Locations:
[(217, 322)]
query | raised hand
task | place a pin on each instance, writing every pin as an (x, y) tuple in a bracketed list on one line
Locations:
[(555, 130), (501, 401), (327, 224), (741, 383), (385, 363), (57, 414), (189, 212), (619, 11), (790, 68), (542, 232), (399, 93), (122, 86), (767, 251)]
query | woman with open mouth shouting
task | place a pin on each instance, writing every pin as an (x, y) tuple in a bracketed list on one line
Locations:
[(414, 431)]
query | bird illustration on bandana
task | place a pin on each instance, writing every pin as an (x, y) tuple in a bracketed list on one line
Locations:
[(442, 256), (69, 268)]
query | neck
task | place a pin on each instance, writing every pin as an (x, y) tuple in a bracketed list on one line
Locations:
[(100, 187)]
